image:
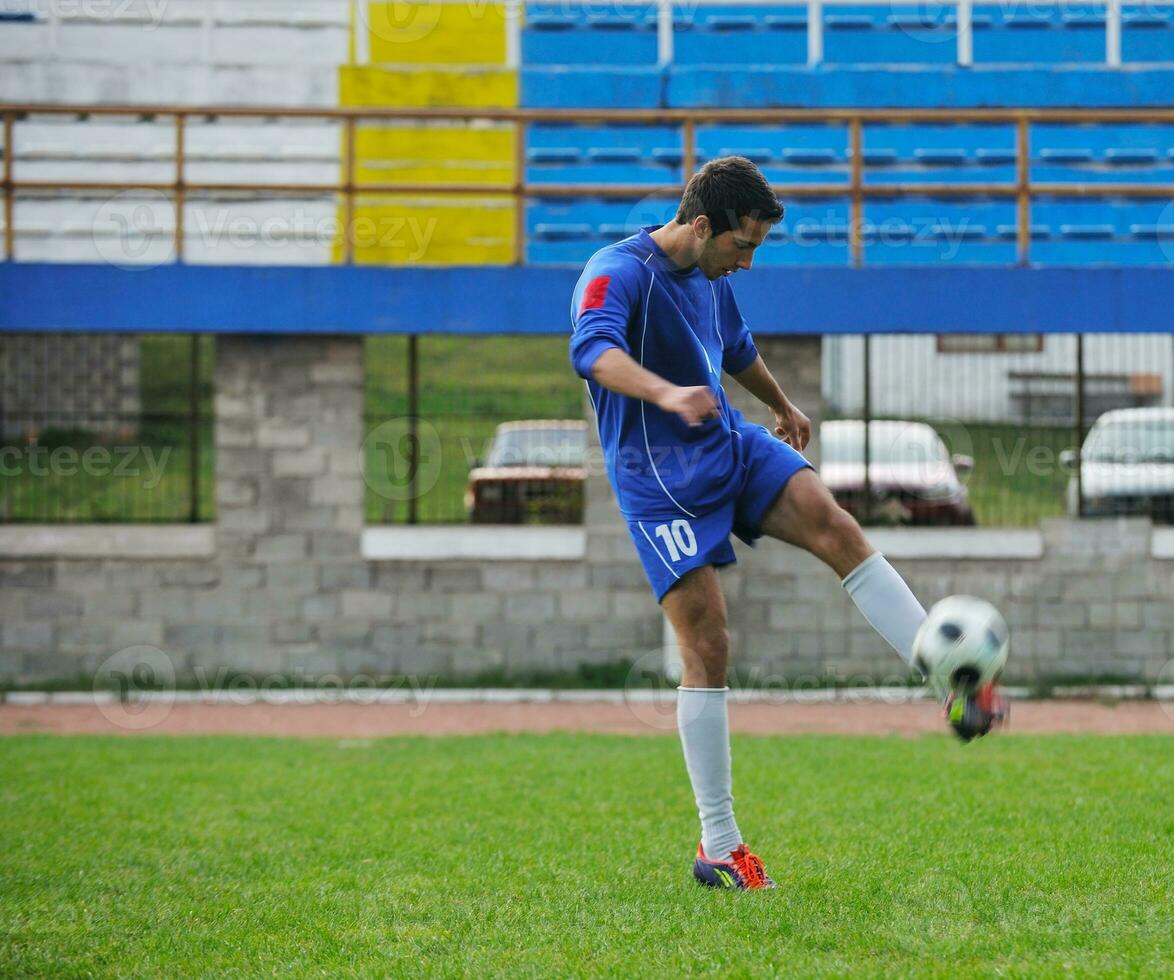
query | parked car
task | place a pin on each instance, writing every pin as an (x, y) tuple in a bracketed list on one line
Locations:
[(912, 477), (534, 474), (1126, 465)]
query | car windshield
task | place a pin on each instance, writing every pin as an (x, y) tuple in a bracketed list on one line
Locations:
[(539, 447), (887, 444), (1132, 441)]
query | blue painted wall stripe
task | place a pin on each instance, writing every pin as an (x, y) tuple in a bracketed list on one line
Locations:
[(341, 299)]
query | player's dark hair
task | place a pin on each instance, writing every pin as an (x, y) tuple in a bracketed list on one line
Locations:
[(726, 190)]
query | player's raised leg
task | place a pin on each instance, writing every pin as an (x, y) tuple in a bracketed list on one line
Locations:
[(696, 609), (806, 515)]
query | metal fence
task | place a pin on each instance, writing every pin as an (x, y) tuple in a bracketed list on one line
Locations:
[(436, 450), (105, 428), (179, 190), (962, 429), (987, 428)]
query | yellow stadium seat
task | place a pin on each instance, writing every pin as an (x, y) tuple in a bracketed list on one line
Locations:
[(450, 153), (411, 230), (406, 33), (367, 86)]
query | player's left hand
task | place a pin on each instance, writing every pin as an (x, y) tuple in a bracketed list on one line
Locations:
[(792, 426)]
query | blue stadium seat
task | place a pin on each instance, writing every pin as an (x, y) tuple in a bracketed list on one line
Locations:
[(1122, 156), (553, 154), (613, 154), (1060, 34), (567, 153), (550, 22), (928, 231), (1037, 233), (582, 34), (1087, 232), (787, 154), (715, 35), (878, 35), (1118, 231), (668, 155), (934, 153), (757, 154), (1065, 155), (1086, 153), (1147, 33), (563, 232)]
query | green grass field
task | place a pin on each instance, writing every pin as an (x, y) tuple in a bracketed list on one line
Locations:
[(569, 855)]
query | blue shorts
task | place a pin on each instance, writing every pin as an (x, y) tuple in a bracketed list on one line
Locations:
[(673, 545)]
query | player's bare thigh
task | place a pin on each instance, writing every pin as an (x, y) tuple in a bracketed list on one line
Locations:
[(696, 608), (806, 515)]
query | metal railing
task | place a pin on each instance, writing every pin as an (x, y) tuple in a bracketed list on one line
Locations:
[(1023, 190)]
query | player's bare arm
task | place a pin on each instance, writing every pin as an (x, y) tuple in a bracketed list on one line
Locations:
[(617, 372), (791, 425)]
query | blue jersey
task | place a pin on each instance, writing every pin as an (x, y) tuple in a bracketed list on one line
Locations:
[(685, 328)]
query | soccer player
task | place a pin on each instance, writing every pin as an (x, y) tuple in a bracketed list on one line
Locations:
[(654, 323)]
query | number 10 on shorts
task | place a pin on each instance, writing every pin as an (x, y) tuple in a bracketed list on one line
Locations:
[(679, 538)]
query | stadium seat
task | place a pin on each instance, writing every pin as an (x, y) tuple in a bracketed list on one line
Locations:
[(1147, 33), (558, 153), (1039, 36), (934, 153), (714, 35), (875, 35)]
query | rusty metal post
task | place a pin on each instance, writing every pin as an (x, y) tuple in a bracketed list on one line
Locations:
[(9, 193), (180, 191), (856, 220), (688, 149), (1023, 189), (348, 190), (520, 192)]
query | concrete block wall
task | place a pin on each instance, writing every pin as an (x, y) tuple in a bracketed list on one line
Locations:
[(283, 585)]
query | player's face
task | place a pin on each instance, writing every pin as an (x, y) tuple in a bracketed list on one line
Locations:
[(725, 254)]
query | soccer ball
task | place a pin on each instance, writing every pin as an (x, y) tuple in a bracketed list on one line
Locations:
[(962, 646)]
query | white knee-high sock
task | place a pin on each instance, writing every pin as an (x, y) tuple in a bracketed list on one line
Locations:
[(704, 725), (886, 602)]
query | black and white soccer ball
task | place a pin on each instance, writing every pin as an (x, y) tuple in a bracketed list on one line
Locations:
[(962, 646)]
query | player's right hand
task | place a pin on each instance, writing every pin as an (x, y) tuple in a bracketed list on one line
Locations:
[(693, 405)]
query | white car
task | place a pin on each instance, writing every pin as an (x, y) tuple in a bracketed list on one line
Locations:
[(1126, 465), (912, 476)]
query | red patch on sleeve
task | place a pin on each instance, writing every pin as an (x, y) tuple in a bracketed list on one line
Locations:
[(595, 293)]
